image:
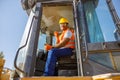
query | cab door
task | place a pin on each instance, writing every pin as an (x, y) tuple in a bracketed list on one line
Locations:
[(26, 54), (81, 38)]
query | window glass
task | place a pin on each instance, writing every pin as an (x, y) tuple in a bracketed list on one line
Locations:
[(100, 27), (105, 20), (53, 40), (102, 58), (42, 41), (99, 21), (116, 4), (23, 51), (116, 56), (94, 28)]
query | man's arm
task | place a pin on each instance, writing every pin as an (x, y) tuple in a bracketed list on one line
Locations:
[(62, 43)]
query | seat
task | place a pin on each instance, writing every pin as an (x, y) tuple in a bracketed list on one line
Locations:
[(67, 65)]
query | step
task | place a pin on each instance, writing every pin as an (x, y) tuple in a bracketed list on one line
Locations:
[(107, 76)]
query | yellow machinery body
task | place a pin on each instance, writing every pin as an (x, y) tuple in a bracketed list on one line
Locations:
[(4, 74), (109, 76)]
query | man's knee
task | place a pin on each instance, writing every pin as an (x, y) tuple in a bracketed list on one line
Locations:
[(53, 51)]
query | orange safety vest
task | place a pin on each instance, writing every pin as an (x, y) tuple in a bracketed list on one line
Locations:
[(71, 43)]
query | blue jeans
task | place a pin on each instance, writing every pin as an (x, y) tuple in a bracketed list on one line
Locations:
[(53, 54)]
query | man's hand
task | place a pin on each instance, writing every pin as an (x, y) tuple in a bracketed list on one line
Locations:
[(56, 34), (47, 47)]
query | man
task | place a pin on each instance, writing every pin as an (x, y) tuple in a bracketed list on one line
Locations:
[(64, 46)]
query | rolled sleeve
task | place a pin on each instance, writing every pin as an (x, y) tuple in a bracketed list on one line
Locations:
[(68, 34)]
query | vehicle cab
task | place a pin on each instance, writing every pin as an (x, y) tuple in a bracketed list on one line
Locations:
[(96, 47)]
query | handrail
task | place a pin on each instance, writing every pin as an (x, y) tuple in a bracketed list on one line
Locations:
[(15, 60), (114, 14), (78, 41), (84, 31)]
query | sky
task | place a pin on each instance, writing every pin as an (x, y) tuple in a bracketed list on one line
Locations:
[(12, 23)]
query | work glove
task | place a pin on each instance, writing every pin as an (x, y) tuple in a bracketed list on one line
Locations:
[(47, 47)]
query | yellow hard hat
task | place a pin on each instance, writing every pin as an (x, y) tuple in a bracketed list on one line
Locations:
[(63, 20)]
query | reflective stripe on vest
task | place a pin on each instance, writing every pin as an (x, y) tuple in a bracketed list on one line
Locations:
[(71, 43)]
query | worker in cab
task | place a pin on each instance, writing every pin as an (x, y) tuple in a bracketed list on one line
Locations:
[(65, 43)]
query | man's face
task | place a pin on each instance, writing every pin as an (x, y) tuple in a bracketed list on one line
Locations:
[(63, 26)]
